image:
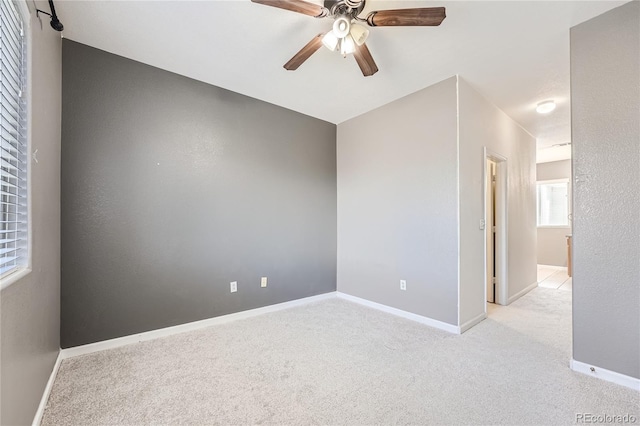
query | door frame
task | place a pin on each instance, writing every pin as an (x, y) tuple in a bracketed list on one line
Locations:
[(501, 297)]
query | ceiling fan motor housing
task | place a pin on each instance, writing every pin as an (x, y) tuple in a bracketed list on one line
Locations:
[(353, 4), (349, 8)]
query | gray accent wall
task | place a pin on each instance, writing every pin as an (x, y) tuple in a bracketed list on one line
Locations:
[(398, 204), (552, 242), (172, 188), (30, 307), (605, 97)]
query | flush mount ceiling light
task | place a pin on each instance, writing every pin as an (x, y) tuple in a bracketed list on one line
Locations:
[(347, 36), (546, 107)]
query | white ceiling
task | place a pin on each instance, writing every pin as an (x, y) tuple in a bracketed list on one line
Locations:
[(516, 53)]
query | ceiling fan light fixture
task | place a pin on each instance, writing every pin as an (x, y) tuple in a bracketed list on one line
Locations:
[(359, 34), (347, 46), (341, 27), (330, 41), (546, 107), (347, 35)]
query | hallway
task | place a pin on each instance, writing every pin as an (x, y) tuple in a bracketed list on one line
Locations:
[(554, 277)]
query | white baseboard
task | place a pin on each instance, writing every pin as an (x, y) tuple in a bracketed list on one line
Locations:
[(521, 293), (47, 391), (604, 374), (473, 321), (196, 325), (559, 268), (399, 312)]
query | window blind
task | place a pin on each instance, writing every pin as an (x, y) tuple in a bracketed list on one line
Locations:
[(553, 204), (13, 141)]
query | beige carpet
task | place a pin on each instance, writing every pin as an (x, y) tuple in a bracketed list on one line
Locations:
[(335, 362)]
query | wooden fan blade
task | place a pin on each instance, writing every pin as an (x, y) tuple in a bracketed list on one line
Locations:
[(365, 60), (427, 16), (299, 6), (304, 53)]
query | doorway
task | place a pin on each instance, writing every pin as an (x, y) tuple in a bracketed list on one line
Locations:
[(495, 221), (491, 230)]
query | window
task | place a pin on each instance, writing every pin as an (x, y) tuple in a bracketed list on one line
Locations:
[(553, 203), (13, 138)]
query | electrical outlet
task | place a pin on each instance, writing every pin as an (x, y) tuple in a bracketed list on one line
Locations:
[(403, 284), (263, 282), (234, 286)]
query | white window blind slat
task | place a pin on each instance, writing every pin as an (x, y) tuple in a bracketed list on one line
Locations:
[(11, 107), (9, 250), (7, 51), (10, 88), (8, 156), (7, 259), (8, 194), (9, 38), (13, 142), (9, 204), (10, 170), (9, 82), (11, 122), (11, 21), (12, 17), (5, 270), (10, 79), (7, 165), (6, 184), (6, 135), (7, 99), (11, 32), (553, 204), (10, 131), (9, 144)]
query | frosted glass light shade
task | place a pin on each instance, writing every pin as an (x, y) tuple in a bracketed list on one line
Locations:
[(359, 34), (330, 41), (347, 45)]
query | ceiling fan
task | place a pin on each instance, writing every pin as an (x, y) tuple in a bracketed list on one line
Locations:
[(347, 36)]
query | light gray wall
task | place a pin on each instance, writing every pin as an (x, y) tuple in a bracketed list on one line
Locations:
[(30, 326), (484, 125), (397, 204), (605, 98), (552, 242), (553, 170), (172, 188)]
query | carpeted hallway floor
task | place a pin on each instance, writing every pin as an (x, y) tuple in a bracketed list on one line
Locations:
[(334, 362)]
